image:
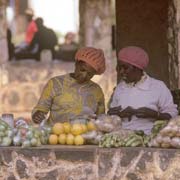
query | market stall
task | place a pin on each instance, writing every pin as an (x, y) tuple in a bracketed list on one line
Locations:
[(66, 151)]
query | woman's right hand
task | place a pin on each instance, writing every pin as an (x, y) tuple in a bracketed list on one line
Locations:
[(38, 116)]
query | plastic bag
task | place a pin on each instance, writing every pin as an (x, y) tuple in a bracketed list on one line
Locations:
[(107, 123)]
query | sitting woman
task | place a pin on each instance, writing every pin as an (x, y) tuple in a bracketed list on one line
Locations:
[(140, 99), (73, 94)]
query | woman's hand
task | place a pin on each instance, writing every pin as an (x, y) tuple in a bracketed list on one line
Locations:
[(115, 111), (38, 117), (147, 113), (127, 112)]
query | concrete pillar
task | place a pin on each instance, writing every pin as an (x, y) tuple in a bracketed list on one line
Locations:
[(96, 31), (95, 25), (3, 41), (3, 46)]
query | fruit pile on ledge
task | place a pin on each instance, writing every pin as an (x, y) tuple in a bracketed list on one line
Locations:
[(103, 130)]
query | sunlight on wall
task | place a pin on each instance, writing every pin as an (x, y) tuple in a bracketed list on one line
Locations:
[(9, 14), (61, 15)]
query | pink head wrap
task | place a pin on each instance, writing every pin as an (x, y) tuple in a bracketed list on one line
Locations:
[(135, 56)]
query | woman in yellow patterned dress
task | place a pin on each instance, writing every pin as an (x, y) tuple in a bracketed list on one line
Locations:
[(74, 94)]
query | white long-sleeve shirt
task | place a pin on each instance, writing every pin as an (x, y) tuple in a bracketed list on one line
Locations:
[(148, 92)]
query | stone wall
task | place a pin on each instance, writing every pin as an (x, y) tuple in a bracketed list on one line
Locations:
[(88, 163), (22, 83)]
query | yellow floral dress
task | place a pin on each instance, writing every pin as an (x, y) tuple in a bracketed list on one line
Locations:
[(64, 98)]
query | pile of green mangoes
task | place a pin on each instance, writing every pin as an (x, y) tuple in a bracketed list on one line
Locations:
[(6, 134), (158, 125), (27, 136), (135, 139)]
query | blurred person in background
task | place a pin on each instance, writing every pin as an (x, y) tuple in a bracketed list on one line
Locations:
[(68, 49), (30, 31), (32, 26), (10, 44), (44, 38)]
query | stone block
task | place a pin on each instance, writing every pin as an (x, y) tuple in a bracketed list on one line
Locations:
[(89, 163)]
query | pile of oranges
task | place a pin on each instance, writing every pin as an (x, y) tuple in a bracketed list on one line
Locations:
[(69, 134)]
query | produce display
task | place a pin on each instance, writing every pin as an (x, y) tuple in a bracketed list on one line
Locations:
[(69, 134), (99, 126), (106, 123), (124, 138), (158, 125), (6, 134), (27, 135), (168, 136), (45, 130), (103, 130)]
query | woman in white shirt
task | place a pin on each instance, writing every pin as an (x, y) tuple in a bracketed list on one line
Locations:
[(139, 99)]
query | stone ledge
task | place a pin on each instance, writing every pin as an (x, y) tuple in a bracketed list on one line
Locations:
[(89, 162)]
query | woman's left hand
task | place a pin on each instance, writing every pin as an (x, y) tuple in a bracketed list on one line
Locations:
[(145, 112), (115, 110)]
